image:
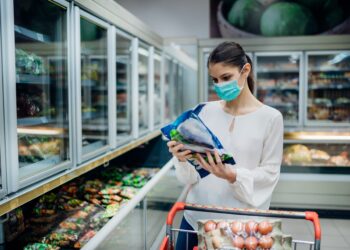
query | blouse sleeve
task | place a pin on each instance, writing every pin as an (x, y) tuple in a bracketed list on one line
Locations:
[(255, 186), (185, 172)]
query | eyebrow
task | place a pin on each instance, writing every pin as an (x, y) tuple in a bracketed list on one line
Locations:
[(223, 75)]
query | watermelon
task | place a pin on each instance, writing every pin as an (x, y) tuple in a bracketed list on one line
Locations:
[(246, 14), (287, 19)]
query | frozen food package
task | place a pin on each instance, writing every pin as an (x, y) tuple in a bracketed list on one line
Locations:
[(14, 226), (189, 130), (84, 239), (40, 246)]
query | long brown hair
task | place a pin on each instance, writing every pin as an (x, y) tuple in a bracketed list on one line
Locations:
[(231, 53)]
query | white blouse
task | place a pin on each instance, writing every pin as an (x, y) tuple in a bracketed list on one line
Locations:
[(256, 143)]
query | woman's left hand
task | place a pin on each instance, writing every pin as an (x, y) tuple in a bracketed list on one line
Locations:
[(216, 167)]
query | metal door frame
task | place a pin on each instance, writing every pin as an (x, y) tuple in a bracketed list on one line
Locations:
[(78, 13)]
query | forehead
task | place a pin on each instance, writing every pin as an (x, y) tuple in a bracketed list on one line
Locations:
[(221, 68)]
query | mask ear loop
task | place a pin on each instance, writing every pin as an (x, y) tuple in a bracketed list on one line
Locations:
[(232, 124)]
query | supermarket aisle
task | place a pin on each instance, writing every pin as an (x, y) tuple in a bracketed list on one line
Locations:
[(130, 234), (335, 233)]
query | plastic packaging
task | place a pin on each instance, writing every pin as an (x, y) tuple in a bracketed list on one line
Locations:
[(14, 226), (189, 130), (84, 239), (40, 246), (243, 234)]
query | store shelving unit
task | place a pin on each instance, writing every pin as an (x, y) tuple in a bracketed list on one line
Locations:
[(58, 68), (315, 170)]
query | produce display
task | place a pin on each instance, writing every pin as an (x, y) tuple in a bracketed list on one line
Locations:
[(282, 18), (242, 234), (302, 155), (70, 216)]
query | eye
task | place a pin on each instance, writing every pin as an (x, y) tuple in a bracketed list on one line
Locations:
[(214, 80), (226, 78)]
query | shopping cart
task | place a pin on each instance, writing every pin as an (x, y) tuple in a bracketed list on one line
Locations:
[(168, 242)]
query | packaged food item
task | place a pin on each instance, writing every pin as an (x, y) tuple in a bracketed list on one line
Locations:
[(67, 203), (111, 210), (62, 237), (128, 192), (84, 239), (115, 174), (242, 234), (189, 130), (110, 191), (73, 223), (98, 221), (14, 226), (40, 246)]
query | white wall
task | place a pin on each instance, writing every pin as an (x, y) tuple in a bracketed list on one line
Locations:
[(172, 18)]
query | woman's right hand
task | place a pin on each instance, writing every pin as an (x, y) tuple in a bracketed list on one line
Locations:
[(175, 149)]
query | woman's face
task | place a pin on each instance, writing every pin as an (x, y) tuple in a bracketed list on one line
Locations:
[(221, 72)]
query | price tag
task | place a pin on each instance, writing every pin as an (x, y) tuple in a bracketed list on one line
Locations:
[(40, 37)]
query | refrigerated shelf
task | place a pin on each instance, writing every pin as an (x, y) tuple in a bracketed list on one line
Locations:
[(32, 121), (15, 200), (32, 79), (32, 35), (329, 86), (123, 212)]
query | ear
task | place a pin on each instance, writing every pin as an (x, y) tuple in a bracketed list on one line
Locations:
[(247, 69)]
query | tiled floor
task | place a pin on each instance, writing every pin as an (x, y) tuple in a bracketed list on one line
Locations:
[(335, 233)]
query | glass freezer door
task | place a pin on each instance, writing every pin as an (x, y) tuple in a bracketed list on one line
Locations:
[(143, 88), (41, 87), (123, 95), (157, 89), (94, 85), (278, 83), (167, 88), (2, 141), (328, 88)]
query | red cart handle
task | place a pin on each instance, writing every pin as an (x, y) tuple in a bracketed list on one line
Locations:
[(313, 216), (178, 206)]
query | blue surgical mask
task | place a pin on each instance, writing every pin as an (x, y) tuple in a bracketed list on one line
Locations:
[(228, 91)]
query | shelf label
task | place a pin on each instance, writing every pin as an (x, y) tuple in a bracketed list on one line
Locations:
[(40, 37)]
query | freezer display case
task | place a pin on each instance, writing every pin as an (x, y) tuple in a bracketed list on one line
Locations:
[(143, 66), (179, 88), (278, 83), (157, 100), (94, 84), (123, 95), (317, 152), (328, 88), (2, 153), (168, 88), (41, 86)]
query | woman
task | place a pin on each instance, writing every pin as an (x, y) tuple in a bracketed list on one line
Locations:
[(250, 130)]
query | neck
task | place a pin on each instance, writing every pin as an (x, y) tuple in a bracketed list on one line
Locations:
[(244, 100)]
